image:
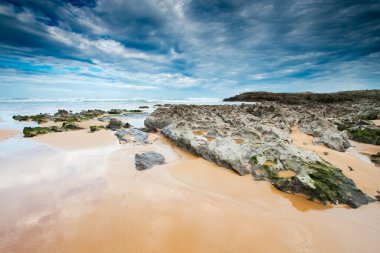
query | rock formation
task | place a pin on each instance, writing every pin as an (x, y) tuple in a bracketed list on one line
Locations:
[(255, 138)]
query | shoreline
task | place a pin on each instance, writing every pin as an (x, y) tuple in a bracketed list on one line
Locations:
[(83, 194)]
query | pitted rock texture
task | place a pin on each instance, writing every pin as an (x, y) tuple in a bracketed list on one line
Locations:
[(255, 139)]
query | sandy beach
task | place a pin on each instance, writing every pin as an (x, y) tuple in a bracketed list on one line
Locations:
[(7, 133), (86, 196)]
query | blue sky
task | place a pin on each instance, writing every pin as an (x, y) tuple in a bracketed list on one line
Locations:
[(185, 48)]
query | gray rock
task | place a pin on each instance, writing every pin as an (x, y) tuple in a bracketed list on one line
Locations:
[(147, 160), (256, 138), (132, 135)]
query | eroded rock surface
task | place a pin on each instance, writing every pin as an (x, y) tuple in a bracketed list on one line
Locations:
[(255, 139), (133, 135)]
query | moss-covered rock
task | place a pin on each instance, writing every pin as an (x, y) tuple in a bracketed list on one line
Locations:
[(322, 182), (376, 158), (368, 134), (114, 124), (39, 118), (34, 131), (123, 111), (70, 126), (67, 119), (95, 128), (361, 131), (371, 115)]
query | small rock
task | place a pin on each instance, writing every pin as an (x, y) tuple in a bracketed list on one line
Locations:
[(132, 135), (147, 160), (325, 153), (114, 124), (144, 107), (148, 129), (377, 197), (351, 169)]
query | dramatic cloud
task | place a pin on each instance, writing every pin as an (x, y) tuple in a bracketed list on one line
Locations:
[(184, 48)]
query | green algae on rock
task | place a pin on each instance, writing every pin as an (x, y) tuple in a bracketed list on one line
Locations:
[(323, 182), (34, 131), (363, 131), (376, 158), (96, 128), (69, 116), (123, 111), (39, 118), (267, 150)]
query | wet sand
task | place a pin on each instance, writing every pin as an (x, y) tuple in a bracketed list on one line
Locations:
[(93, 200), (7, 133), (79, 139), (376, 122)]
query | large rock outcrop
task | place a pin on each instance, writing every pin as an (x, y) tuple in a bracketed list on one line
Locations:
[(255, 139)]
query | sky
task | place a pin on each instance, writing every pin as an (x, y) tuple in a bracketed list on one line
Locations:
[(186, 48)]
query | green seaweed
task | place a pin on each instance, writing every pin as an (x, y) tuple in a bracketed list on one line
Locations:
[(254, 159), (67, 119), (123, 111), (39, 118), (369, 135), (362, 131), (272, 174), (95, 128), (371, 116), (34, 131), (331, 186)]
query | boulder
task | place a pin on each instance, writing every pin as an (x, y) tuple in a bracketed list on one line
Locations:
[(147, 160), (114, 124)]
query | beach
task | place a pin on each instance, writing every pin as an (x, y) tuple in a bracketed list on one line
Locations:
[(80, 192)]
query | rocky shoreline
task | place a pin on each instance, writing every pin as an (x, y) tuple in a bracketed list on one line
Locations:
[(249, 139), (255, 139)]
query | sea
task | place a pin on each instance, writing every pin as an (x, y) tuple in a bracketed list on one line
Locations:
[(29, 106)]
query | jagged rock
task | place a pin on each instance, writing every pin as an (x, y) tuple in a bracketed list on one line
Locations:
[(147, 160), (327, 131), (256, 139), (132, 135)]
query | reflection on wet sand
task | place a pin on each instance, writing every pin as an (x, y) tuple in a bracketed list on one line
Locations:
[(7, 133), (93, 200)]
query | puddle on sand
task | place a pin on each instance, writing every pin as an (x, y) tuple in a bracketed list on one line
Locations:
[(210, 138), (286, 173), (199, 132)]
